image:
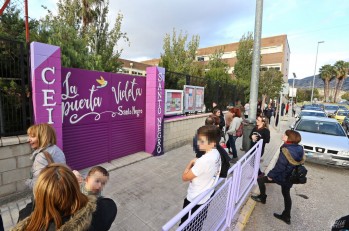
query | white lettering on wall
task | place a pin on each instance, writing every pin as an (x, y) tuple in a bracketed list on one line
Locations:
[(159, 110), (43, 75), (48, 93), (49, 115), (127, 92), (48, 97)]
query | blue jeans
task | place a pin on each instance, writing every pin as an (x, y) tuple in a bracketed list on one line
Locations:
[(232, 140)]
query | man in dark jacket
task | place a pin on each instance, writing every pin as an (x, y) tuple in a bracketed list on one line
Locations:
[(291, 154)]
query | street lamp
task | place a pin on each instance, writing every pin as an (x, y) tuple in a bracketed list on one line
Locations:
[(293, 93), (312, 89)]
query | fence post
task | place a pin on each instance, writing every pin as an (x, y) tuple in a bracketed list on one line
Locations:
[(187, 79)]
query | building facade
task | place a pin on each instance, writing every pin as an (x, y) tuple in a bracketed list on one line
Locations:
[(275, 53)]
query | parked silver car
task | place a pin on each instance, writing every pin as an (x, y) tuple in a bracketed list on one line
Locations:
[(324, 140)]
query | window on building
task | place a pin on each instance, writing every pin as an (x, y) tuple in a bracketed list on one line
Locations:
[(201, 58)]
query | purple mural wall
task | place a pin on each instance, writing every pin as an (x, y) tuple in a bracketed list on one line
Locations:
[(98, 116), (103, 116)]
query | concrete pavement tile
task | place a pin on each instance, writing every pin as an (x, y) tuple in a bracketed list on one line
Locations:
[(164, 217), (134, 224)]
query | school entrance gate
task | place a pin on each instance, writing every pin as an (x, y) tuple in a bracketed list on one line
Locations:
[(98, 116)]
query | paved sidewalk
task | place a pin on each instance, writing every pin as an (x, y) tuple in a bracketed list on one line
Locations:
[(148, 190)]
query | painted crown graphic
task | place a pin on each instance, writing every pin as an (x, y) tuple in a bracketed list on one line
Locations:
[(102, 82)]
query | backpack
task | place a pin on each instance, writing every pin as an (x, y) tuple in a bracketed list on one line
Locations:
[(239, 131), (298, 175)]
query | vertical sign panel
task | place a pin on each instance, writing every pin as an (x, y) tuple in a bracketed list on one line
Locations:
[(155, 107), (46, 85)]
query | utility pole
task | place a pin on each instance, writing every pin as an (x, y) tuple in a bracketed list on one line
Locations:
[(256, 60), (312, 89)]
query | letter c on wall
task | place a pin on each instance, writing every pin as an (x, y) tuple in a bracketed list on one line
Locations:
[(43, 74)]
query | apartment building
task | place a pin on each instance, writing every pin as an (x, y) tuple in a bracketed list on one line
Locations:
[(133, 68), (275, 53)]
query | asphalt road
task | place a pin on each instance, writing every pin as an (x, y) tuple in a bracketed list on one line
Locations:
[(316, 205)]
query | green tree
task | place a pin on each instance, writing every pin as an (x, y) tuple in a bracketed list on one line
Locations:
[(179, 56), (340, 67), (270, 84), (83, 33), (218, 68), (327, 74), (305, 94), (243, 65), (346, 96), (12, 26)]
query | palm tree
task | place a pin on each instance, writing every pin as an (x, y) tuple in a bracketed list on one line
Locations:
[(341, 73), (327, 73), (88, 12)]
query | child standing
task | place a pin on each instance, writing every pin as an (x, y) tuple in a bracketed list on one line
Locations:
[(203, 173), (95, 181)]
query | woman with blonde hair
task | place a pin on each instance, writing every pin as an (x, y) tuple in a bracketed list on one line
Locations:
[(42, 138), (61, 206)]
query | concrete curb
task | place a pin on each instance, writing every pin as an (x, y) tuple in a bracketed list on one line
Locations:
[(248, 208)]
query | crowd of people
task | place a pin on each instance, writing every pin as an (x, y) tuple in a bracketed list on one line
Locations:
[(63, 199)]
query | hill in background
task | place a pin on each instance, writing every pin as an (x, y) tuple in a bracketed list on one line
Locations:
[(308, 83)]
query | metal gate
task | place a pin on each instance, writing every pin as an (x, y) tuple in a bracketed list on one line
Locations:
[(14, 88)]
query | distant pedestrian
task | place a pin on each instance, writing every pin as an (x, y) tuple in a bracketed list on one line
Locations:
[(203, 172), (247, 109), (235, 124), (95, 181), (218, 112), (260, 131), (282, 109), (269, 112), (294, 109), (61, 206), (287, 108), (291, 154)]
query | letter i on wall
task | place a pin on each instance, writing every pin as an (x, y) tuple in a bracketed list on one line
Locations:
[(155, 106), (46, 86)]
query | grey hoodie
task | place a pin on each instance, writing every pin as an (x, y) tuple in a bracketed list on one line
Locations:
[(39, 162)]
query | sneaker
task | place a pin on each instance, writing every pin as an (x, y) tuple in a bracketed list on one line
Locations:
[(260, 198), (287, 220)]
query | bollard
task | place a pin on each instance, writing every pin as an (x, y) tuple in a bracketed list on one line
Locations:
[(248, 127)]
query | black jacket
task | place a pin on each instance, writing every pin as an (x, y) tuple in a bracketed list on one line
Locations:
[(97, 215), (283, 168), (262, 133)]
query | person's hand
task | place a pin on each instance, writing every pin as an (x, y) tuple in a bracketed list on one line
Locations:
[(254, 138), (269, 178), (78, 176)]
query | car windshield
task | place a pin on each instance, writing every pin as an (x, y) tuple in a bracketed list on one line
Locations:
[(310, 113), (342, 107), (321, 127), (331, 107), (343, 113)]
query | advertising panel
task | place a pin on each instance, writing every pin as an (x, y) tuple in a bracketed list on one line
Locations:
[(189, 98), (173, 102), (199, 99), (193, 98)]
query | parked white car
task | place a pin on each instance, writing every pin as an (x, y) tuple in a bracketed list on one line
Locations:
[(324, 140)]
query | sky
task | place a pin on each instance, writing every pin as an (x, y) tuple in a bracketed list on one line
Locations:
[(305, 22)]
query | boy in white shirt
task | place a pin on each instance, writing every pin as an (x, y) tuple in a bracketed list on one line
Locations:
[(203, 173)]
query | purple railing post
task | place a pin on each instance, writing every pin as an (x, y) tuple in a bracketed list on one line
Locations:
[(257, 160)]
